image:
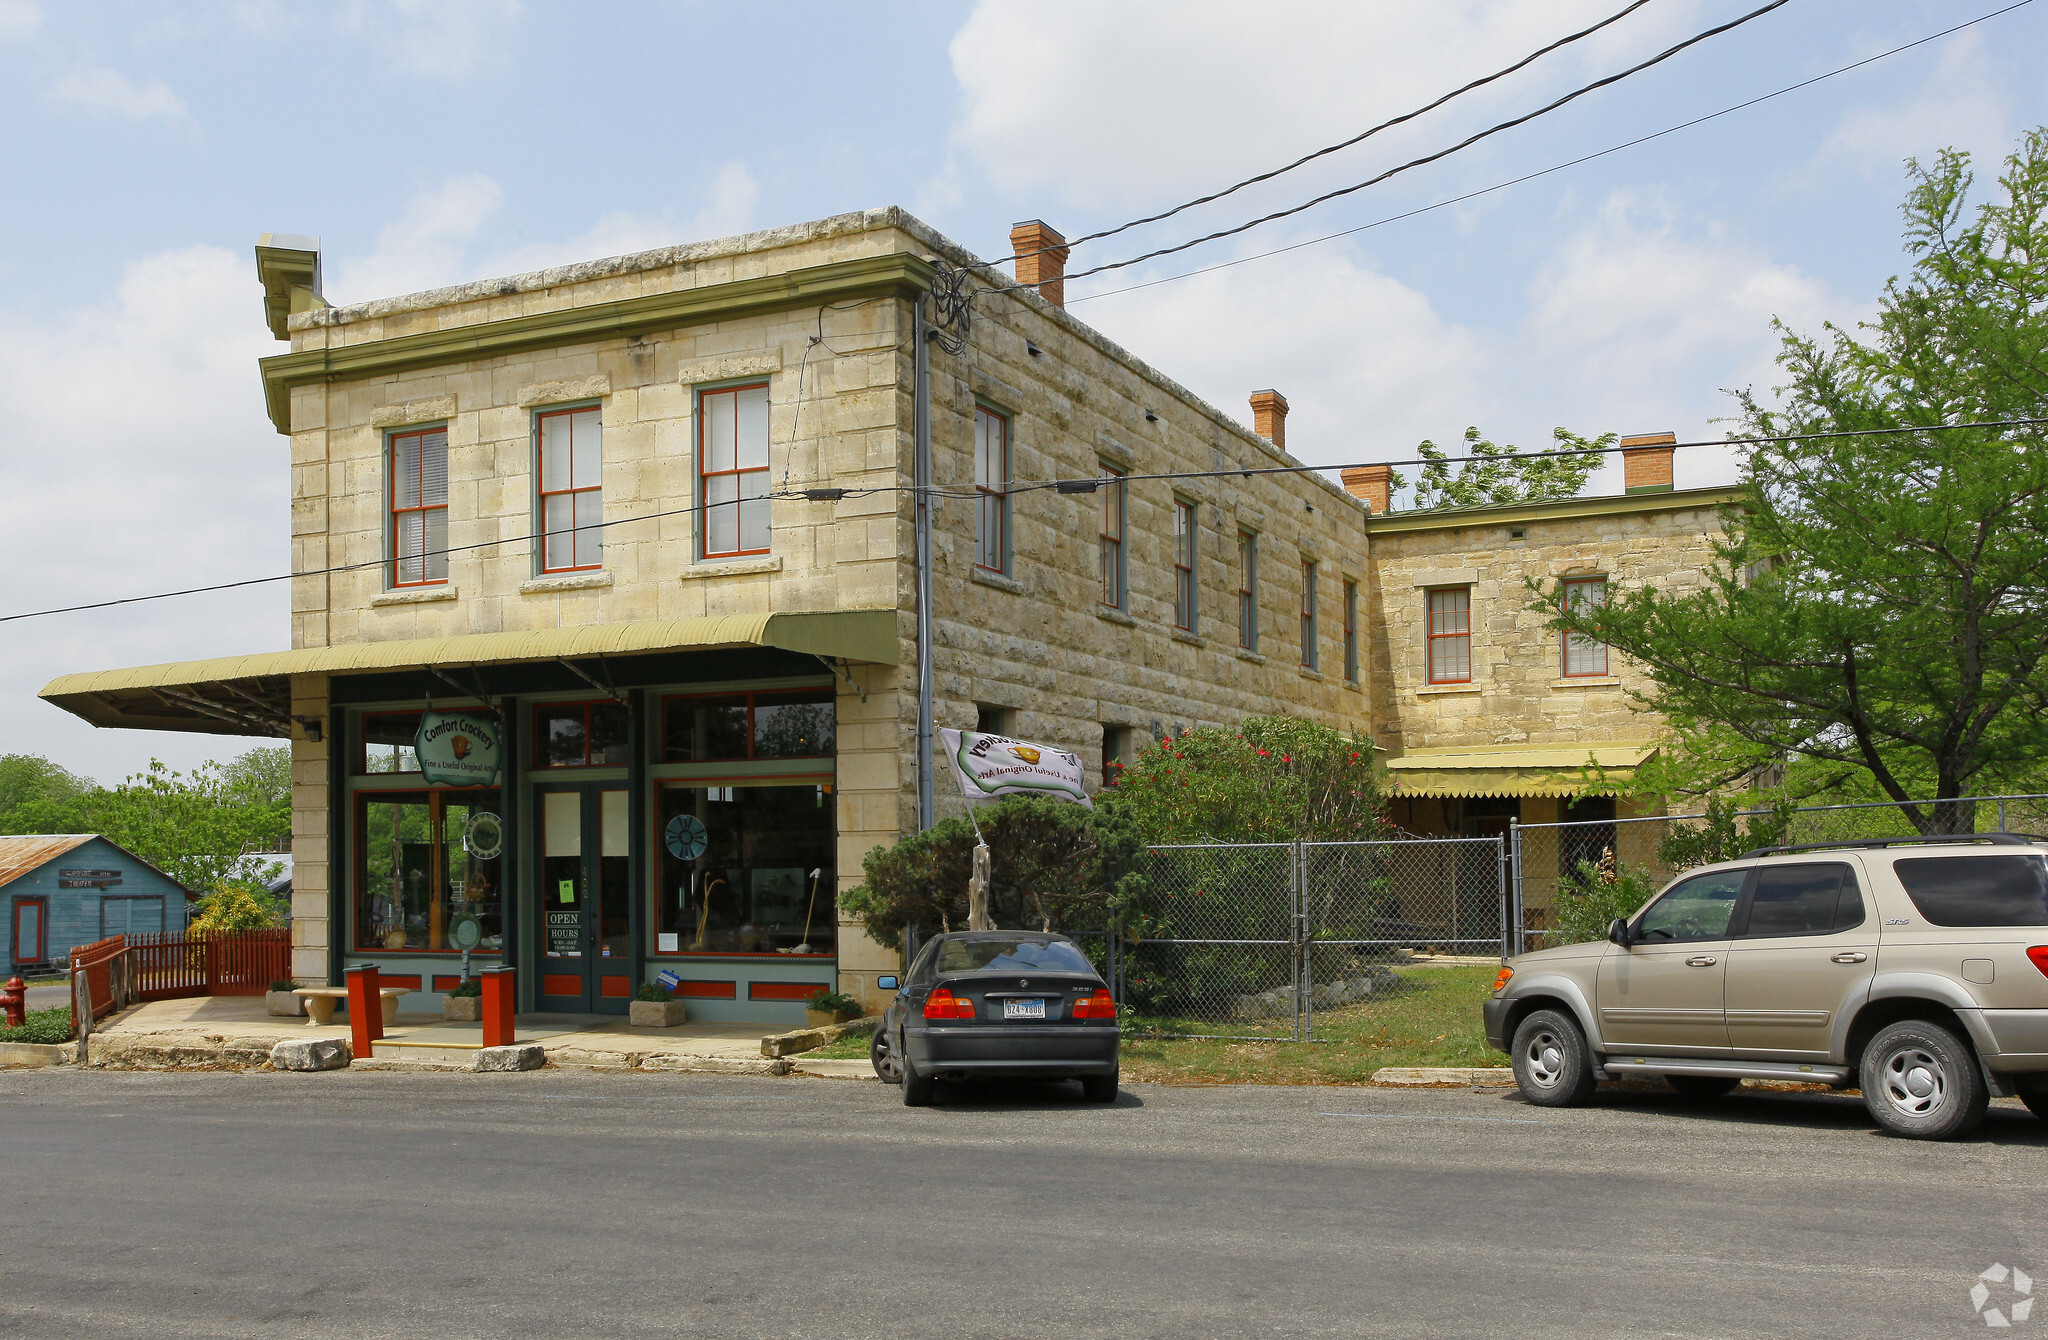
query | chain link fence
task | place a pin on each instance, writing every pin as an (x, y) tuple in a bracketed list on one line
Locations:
[(1548, 857)]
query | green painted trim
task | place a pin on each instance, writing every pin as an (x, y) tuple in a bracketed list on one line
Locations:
[(1565, 509), (1648, 488), (896, 274)]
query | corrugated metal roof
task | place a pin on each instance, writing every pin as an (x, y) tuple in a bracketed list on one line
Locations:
[(21, 855), (1517, 770)]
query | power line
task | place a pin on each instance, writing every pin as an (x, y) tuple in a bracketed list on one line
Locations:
[(1359, 138), (1063, 485), (1532, 176)]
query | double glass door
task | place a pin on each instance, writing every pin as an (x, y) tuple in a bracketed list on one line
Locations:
[(586, 933)]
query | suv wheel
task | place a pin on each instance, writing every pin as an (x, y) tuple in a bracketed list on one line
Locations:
[(1920, 1080), (1553, 1064)]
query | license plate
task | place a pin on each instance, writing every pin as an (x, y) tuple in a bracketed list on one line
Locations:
[(1023, 1009)]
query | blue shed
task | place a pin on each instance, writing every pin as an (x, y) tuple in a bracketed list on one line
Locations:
[(64, 890)]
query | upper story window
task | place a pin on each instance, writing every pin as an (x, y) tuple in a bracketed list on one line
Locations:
[(571, 489), (991, 490), (1583, 656), (1450, 635), (1351, 632), (1183, 565), (1248, 590), (732, 455), (1111, 540), (1308, 614), (419, 507), (580, 735)]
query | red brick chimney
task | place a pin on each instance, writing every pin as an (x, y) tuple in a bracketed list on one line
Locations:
[(1269, 417), (1646, 462), (1041, 259), (1374, 483)]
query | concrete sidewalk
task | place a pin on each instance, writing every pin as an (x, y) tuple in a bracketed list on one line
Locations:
[(234, 1031)]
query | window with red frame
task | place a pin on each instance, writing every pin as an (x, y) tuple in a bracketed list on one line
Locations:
[(1584, 656), (419, 507), (991, 490), (1111, 538), (571, 489), (1184, 565), (1450, 635), (716, 727), (732, 455), (580, 735)]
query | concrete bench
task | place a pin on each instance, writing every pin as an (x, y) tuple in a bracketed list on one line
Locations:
[(321, 1002)]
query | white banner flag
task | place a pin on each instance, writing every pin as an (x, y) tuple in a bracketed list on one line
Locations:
[(996, 765)]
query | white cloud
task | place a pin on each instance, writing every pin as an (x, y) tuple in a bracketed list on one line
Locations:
[(136, 458), (426, 246), (18, 18), (1959, 105), (111, 93), (444, 39)]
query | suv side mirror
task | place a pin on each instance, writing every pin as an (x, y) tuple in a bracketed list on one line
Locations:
[(885, 984), (1618, 933)]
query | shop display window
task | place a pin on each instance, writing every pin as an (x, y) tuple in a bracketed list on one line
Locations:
[(745, 870), (580, 735), (790, 723), (387, 743), (427, 864)]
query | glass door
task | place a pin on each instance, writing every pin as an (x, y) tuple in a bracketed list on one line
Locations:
[(586, 935)]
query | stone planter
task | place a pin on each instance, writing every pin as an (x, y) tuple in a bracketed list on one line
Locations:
[(658, 1013), (465, 1008), (284, 1004)]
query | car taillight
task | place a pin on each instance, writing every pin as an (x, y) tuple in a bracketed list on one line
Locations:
[(942, 1004), (1502, 980), (1097, 1006), (2039, 953)]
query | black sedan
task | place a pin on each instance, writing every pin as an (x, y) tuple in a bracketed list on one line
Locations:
[(998, 1005)]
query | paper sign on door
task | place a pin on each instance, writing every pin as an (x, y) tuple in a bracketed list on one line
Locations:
[(566, 890)]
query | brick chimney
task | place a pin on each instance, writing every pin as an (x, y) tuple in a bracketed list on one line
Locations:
[(1374, 483), (1646, 462), (1041, 259), (1269, 417)]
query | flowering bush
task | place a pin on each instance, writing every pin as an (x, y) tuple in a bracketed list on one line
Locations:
[(1273, 779)]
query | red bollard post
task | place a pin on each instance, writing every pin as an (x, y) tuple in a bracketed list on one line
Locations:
[(365, 1010), (14, 1002), (497, 1011)]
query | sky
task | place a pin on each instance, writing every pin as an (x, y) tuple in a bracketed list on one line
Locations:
[(429, 142)]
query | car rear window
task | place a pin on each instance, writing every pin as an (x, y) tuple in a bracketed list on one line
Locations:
[(1977, 890), (1010, 955), (1804, 900)]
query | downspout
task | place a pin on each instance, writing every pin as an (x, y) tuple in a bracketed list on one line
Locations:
[(921, 483)]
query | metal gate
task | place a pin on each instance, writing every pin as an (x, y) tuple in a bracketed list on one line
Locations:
[(1261, 940)]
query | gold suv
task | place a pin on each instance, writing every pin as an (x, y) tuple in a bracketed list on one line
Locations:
[(1914, 969)]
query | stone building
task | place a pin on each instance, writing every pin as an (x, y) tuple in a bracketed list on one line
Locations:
[(605, 659)]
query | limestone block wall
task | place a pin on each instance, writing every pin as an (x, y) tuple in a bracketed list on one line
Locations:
[(311, 825), (1518, 693)]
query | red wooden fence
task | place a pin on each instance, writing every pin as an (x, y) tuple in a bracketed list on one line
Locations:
[(127, 968)]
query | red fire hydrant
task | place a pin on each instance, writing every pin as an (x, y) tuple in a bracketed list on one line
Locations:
[(14, 1001)]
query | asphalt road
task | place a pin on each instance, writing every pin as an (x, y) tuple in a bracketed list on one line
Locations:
[(569, 1203)]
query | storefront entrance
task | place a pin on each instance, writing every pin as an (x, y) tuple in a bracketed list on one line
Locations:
[(585, 932)]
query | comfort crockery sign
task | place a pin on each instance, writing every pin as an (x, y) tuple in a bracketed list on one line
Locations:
[(996, 765), (457, 749)]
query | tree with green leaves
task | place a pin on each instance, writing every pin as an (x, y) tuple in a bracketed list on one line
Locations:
[(1272, 779), (1501, 474), (1881, 602)]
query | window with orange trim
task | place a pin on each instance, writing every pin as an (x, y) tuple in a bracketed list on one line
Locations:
[(419, 507), (1111, 538), (1183, 565), (732, 464), (571, 489), (1584, 657), (991, 490), (1450, 635)]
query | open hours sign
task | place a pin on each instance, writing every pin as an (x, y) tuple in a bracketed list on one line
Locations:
[(565, 933)]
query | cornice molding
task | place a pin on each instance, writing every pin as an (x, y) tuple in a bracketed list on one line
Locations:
[(1564, 509)]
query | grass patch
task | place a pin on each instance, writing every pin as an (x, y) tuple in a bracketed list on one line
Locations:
[(1435, 1023), (852, 1047), (47, 1026)]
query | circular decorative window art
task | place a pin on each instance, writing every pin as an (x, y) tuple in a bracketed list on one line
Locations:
[(465, 932), (483, 837), (686, 837)]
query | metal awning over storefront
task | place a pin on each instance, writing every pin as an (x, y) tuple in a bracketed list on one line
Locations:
[(1590, 769), (251, 695)]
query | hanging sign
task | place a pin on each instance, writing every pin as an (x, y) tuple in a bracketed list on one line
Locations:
[(457, 749), (996, 765)]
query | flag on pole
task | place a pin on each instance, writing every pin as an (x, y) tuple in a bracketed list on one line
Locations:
[(996, 765)]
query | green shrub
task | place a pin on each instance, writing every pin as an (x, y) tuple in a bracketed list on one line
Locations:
[(46, 1026), (1593, 896), (283, 984), (654, 991), (469, 990), (832, 1002)]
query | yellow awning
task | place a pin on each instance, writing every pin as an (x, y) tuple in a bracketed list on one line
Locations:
[(251, 695), (1519, 770)]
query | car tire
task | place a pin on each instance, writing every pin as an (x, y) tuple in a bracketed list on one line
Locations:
[(1099, 1088), (917, 1089), (1702, 1086), (882, 1056), (1921, 1081), (1553, 1064)]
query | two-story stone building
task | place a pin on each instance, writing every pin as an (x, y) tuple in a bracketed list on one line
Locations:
[(649, 525)]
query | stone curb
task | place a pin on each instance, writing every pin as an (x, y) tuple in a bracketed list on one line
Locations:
[(30, 1055), (836, 1068), (194, 1051), (1425, 1076), (810, 1039)]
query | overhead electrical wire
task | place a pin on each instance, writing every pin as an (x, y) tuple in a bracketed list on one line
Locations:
[(1559, 167), (1072, 485)]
